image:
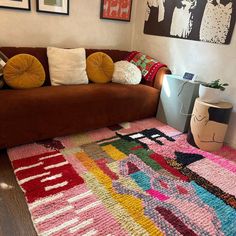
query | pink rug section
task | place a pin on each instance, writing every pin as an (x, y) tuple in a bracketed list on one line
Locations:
[(181, 145), (25, 151), (227, 152), (196, 215), (67, 141), (157, 195), (100, 134), (74, 212), (220, 177)]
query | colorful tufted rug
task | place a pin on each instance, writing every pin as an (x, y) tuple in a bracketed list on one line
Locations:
[(139, 178)]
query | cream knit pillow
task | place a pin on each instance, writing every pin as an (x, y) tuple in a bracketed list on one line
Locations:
[(67, 66), (126, 73)]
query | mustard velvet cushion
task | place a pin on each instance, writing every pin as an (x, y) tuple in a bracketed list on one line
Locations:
[(24, 71), (100, 67)]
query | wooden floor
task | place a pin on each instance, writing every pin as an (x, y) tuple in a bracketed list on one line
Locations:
[(14, 215)]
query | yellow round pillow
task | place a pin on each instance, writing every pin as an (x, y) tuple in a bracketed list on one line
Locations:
[(100, 67), (24, 71)]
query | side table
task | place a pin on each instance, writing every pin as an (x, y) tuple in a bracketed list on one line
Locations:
[(208, 125), (176, 102)]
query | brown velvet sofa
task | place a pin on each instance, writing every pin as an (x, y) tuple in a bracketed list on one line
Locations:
[(42, 113)]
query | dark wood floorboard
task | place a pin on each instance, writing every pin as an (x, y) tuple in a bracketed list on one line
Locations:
[(14, 215)]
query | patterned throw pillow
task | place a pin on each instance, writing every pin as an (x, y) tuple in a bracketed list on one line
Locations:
[(126, 73), (148, 65)]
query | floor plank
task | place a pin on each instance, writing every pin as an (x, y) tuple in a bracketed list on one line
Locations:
[(14, 215)]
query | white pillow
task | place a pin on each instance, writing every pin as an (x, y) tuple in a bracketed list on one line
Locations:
[(126, 73), (67, 66)]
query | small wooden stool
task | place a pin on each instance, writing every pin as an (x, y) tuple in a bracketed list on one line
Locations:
[(209, 124)]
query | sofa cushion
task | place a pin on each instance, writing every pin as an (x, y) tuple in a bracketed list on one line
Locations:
[(148, 65), (100, 67), (126, 73), (67, 66), (46, 112), (41, 55), (24, 71)]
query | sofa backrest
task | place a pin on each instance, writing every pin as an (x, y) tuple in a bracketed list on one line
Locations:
[(41, 55)]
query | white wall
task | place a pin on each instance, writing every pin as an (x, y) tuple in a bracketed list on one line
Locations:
[(83, 27), (209, 61)]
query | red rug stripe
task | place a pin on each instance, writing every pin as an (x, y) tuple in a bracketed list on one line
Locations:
[(136, 148), (22, 174), (175, 221), (161, 161), (34, 159), (103, 166), (34, 188), (65, 171)]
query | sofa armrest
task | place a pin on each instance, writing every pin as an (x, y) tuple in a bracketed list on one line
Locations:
[(160, 76)]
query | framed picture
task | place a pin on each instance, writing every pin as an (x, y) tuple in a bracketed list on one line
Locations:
[(211, 21), (16, 4), (116, 9), (53, 6)]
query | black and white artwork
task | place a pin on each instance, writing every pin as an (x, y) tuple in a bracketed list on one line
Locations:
[(203, 20)]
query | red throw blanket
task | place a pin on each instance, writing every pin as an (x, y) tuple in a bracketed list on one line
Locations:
[(148, 65)]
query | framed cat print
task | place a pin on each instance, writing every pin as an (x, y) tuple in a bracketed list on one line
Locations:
[(53, 6), (16, 4)]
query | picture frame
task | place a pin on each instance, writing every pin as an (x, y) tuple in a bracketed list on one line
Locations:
[(116, 10), (204, 21), (61, 7), (17, 5)]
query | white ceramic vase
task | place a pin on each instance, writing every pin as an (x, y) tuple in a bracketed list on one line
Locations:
[(210, 95)]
